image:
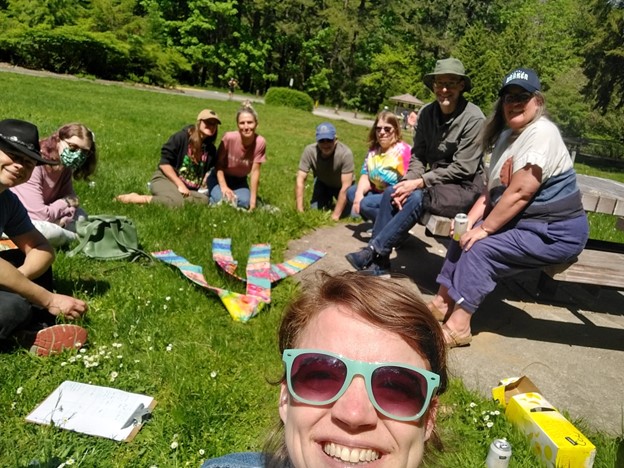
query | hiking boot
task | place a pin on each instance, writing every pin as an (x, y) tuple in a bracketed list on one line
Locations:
[(379, 267), (54, 339), (362, 259)]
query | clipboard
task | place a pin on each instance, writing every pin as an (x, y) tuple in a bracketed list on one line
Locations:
[(94, 410)]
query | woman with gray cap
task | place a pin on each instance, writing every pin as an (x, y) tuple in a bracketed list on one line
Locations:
[(530, 214), (186, 160)]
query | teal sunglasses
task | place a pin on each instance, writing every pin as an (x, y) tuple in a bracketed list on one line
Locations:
[(396, 390)]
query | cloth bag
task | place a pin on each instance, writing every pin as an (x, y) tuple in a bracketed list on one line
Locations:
[(107, 237)]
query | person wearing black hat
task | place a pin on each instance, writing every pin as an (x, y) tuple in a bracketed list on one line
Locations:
[(331, 162), (444, 174), (21, 298), (530, 215)]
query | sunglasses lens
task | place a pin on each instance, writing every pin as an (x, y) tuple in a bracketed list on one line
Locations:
[(399, 391), (317, 377)]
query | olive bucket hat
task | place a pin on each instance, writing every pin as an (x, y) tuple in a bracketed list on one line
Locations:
[(448, 66)]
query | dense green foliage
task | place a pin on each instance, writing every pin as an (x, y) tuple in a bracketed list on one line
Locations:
[(152, 331), (348, 53), (289, 98)]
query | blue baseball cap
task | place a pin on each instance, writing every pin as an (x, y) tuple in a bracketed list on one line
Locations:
[(523, 77), (325, 131)]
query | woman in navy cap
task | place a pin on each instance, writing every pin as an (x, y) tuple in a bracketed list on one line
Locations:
[(530, 214)]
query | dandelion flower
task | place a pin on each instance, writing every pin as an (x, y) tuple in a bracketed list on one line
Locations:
[(174, 445)]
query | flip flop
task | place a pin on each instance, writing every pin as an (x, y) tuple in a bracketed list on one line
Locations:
[(455, 340), (437, 313)]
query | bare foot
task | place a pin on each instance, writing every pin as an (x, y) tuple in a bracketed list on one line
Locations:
[(134, 198)]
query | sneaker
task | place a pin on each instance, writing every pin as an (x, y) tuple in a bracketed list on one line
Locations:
[(362, 259), (54, 339), (379, 267)]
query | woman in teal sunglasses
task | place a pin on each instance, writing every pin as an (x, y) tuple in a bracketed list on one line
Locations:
[(364, 364)]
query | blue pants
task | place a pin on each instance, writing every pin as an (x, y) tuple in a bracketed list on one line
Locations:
[(471, 276), (369, 206), (238, 185), (323, 197), (392, 224)]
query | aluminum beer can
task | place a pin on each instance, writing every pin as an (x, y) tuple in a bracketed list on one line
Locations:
[(499, 454), (460, 225)]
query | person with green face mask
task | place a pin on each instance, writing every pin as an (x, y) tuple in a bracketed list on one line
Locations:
[(49, 195)]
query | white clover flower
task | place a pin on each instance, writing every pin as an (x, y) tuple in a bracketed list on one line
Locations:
[(79, 356), (78, 344), (70, 461), (168, 298), (202, 452), (174, 445), (72, 359), (496, 413), (13, 405), (165, 307), (181, 289), (486, 417), (120, 366), (117, 345), (213, 374), (149, 338), (19, 390), (151, 348), (113, 376), (63, 364), (169, 347), (82, 351), (489, 424), (102, 353), (116, 335), (119, 356), (472, 404)]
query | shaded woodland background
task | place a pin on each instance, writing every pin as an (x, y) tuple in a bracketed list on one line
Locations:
[(347, 53)]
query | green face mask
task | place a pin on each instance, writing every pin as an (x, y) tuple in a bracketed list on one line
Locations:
[(73, 159)]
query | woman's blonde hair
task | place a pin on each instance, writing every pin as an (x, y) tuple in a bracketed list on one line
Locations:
[(247, 108), (384, 116)]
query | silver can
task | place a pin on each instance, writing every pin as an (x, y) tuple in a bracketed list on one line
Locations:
[(499, 454), (460, 225)]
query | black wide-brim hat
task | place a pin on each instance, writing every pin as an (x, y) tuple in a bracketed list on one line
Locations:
[(18, 137)]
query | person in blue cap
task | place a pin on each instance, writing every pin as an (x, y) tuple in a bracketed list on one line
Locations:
[(530, 214), (331, 163)]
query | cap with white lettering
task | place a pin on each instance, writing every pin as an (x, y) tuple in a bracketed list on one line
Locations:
[(523, 77)]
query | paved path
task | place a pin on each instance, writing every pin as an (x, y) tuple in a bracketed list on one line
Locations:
[(570, 345)]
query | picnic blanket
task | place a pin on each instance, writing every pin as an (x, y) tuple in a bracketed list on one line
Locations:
[(260, 274)]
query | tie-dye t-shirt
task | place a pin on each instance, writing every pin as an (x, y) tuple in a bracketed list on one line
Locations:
[(386, 169)]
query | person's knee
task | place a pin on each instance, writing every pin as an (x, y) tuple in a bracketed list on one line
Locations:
[(15, 312)]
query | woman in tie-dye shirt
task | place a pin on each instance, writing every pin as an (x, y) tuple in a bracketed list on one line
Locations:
[(385, 164)]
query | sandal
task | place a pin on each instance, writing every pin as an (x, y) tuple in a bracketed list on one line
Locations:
[(437, 313), (455, 341)]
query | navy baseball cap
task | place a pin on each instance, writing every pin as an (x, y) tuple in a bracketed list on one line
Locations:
[(523, 77), (325, 131)]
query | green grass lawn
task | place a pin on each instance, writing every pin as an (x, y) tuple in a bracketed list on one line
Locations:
[(152, 331)]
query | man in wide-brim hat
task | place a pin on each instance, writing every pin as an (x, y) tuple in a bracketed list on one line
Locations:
[(25, 273), (444, 174)]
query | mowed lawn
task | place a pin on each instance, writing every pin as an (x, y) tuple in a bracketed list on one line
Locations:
[(152, 331)]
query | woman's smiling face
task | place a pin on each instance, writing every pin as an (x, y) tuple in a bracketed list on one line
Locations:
[(519, 107), (351, 428)]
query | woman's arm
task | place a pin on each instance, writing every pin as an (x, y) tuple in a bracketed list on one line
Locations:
[(172, 175), (32, 197), (254, 183), (363, 187), (523, 186)]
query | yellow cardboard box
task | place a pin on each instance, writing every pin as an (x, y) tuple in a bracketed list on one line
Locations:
[(552, 437)]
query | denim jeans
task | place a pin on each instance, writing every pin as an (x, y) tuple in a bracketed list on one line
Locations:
[(392, 224), (369, 206), (238, 185)]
